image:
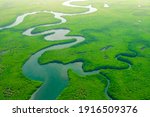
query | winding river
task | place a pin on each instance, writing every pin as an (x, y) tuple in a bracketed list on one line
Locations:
[(54, 75)]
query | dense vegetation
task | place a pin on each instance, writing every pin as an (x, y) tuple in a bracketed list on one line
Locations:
[(84, 88), (122, 29), (119, 30)]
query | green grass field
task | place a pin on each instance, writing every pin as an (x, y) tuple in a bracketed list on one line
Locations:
[(122, 29)]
